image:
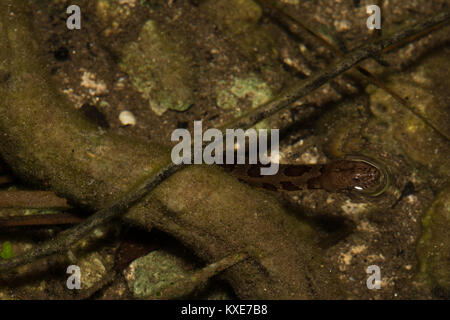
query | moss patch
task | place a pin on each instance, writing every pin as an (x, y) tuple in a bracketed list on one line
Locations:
[(6, 252), (433, 249)]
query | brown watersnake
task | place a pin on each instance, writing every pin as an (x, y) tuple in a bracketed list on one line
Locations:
[(359, 175)]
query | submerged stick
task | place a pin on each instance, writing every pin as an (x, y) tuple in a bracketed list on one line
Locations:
[(40, 220)]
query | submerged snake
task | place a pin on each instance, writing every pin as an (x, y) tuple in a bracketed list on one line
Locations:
[(339, 175)]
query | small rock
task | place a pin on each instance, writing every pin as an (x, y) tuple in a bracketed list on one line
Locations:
[(160, 67), (147, 275), (127, 118), (253, 90), (92, 269)]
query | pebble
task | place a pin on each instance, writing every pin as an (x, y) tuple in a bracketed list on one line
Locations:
[(127, 118)]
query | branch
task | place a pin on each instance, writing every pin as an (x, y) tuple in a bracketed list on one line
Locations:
[(40, 220)]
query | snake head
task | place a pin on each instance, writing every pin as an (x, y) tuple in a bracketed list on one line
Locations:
[(348, 175)]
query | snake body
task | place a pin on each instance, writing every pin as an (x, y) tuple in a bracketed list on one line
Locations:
[(339, 175)]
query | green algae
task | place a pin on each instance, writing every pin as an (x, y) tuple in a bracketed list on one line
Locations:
[(151, 274), (251, 89), (6, 252), (241, 94)]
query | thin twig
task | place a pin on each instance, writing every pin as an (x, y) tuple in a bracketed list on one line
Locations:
[(67, 238), (40, 220)]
